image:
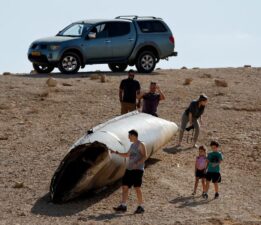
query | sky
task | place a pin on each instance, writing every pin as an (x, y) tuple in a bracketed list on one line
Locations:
[(208, 33)]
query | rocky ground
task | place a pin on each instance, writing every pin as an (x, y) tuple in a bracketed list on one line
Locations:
[(38, 124)]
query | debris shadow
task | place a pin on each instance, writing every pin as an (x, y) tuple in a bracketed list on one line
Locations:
[(44, 206)]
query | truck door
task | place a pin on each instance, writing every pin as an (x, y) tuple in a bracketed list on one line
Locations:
[(99, 47), (123, 38)]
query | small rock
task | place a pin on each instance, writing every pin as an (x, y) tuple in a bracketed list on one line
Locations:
[(220, 94), (45, 93), (247, 66), (18, 185), (6, 73), (4, 106), (187, 81), (184, 68), (158, 69), (221, 83), (3, 138), (206, 75), (66, 84), (22, 214), (51, 82), (103, 78), (195, 68), (95, 77), (32, 111)]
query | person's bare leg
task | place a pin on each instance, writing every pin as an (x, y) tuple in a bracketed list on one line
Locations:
[(196, 132), (207, 186), (139, 195), (216, 187), (125, 194), (181, 133), (203, 184), (195, 185), (184, 122)]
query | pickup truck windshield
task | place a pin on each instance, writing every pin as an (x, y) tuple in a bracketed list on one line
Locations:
[(74, 30)]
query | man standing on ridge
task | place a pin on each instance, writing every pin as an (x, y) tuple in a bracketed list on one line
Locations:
[(128, 91), (151, 99)]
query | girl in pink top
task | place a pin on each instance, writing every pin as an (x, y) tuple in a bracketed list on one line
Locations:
[(200, 168)]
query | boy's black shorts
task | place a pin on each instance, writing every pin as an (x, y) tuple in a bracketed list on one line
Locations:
[(132, 178), (214, 177), (200, 174)]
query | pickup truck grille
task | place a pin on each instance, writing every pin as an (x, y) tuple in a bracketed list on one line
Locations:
[(38, 59)]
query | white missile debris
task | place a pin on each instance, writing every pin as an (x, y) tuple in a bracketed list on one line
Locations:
[(89, 164)]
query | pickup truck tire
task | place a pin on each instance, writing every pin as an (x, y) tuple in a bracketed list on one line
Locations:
[(146, 62), (117, 67), (43, 68), (70, 63)]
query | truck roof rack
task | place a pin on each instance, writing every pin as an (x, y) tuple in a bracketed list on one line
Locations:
[(135, 17)]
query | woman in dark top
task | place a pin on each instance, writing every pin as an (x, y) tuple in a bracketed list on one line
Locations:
[(191, 116)]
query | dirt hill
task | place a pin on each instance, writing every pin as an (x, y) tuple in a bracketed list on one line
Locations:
[(38, 124)]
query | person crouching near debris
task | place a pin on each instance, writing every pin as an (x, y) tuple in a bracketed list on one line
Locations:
[(200, 169), (191, 115), (213, 171), (134, 172)]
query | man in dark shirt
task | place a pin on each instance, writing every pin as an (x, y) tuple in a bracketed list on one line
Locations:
[(151, 99), (129, 89), (191, 116)]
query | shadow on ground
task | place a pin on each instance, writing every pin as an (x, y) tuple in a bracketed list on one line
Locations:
[(151, 161), (44, 206), (175, 149), (83, 74), (189, 201), (105, 216)]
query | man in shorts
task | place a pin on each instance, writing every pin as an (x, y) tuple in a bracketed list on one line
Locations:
[(213, 171), (134, 172)]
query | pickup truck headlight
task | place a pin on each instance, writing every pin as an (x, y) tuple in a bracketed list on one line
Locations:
[(54, 47)]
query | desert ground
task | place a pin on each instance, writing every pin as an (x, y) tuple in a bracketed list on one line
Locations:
[(38, 124)]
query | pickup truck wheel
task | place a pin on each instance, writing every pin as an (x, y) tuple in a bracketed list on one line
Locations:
[(117, 67), (69, 63), (146, 62), (43, 68)]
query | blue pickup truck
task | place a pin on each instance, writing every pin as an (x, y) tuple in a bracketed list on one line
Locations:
[(123, 41)]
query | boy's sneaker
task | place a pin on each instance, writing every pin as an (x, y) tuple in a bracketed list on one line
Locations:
[(120, 208), (216, 195), (205, 195), (139, 210)]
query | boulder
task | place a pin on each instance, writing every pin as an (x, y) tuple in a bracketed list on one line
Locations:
[(95, 77), (103, 78), (6, 73), (221, 83), (51, 82), (188, 81)]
